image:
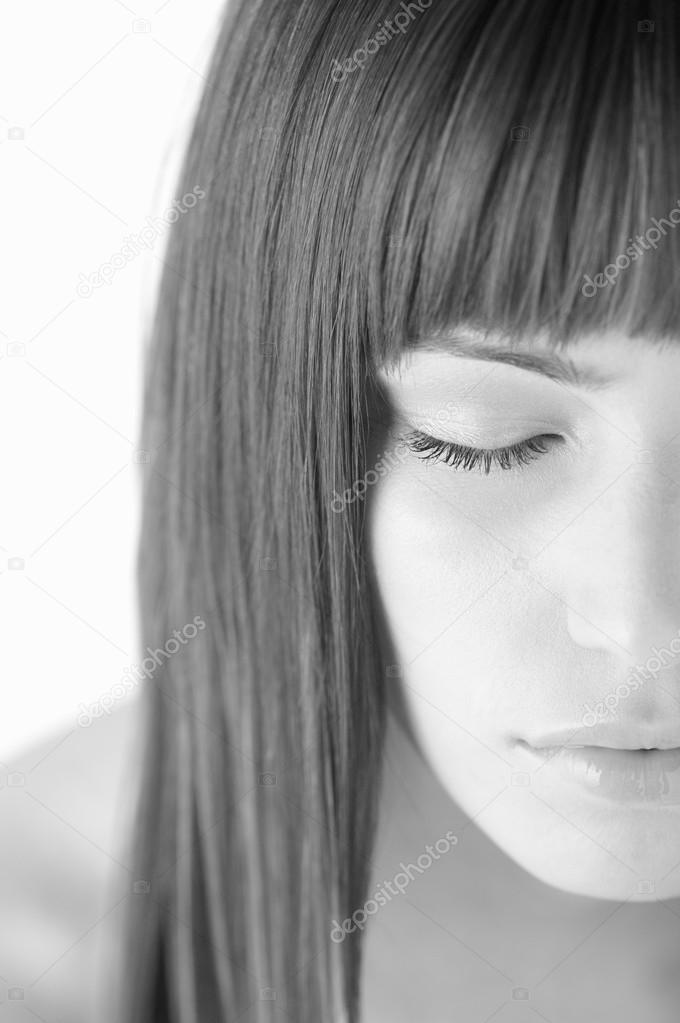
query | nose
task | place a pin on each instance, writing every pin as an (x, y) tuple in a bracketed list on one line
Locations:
[(621, 573)]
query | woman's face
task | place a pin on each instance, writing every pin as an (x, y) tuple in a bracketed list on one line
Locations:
[(534, 611)]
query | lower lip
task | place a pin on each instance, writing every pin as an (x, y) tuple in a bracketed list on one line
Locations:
[(626, 776)]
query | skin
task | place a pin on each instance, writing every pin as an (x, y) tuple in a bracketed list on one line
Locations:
[(515, 599), (511, 601)]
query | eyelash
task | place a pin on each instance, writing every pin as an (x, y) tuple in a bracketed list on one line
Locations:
[(460, 457)]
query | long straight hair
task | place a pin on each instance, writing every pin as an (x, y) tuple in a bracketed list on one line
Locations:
[(372, 172)]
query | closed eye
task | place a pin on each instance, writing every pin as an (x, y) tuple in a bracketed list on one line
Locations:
[(461, 457)]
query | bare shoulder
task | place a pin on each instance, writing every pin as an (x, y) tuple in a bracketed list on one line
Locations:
[(65, 814)]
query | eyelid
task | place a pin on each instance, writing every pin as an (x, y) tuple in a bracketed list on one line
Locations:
[(462, 457), (467, 430)]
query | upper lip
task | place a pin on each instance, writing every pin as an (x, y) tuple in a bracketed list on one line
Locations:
[(611, 735)]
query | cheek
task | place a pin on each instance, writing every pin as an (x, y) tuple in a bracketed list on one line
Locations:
[(482, 650), (444, 586)]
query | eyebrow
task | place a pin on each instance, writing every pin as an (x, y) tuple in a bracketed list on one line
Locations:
[(549, 364)]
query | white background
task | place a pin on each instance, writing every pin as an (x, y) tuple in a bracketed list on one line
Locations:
[(95, 104)]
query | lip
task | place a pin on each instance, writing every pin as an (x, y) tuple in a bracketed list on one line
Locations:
[(642, 776), (616, 735)]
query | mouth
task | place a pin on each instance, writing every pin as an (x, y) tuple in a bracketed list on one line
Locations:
[(643, 775), (633, 736)]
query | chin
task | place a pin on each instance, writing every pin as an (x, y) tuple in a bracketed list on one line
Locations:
[(592, 878), (601, 852)]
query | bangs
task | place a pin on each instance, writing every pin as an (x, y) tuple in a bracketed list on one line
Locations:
[(523, 174)]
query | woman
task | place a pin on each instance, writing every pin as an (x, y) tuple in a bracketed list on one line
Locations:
[(412, 423)]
